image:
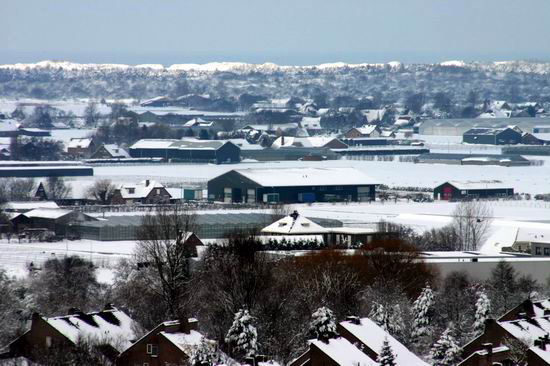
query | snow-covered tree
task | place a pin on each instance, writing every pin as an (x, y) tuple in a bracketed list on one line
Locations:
[(389, 318), (445, 351), (204, 353), (323, 324), (483, 308), (242, 336), (421, 312), (386, 357)]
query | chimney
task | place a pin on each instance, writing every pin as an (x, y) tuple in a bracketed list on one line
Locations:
[(109, 306), (488, 347), (184, 325), (35, 317), (74, 311), (353, 319), (147, 183)]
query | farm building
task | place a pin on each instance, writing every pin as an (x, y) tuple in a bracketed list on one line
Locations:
[(457, 126), (187, 150), (29, 169), (363, 131), (309, 142), (292, 185), (472, 159), (453, 190), (492, 136), (110, 151)]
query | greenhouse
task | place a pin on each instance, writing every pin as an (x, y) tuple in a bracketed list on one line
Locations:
[(208, 226)]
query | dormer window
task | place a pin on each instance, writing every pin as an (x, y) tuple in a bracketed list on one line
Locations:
[(131, 190)]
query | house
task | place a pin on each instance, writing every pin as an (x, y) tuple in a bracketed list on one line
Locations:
[(529, 139), (492, 136), (359, 343), (161, 101), (455, 190), (81, 148), (55, 219), (111, 328), (528, 309), (169, 343), (145, 192), (472, 159), (364, 131), (501, 339), (291, 185), (313, 142), (404, 120), (312, 125), (9, 128), (110, 151), (187, 150)]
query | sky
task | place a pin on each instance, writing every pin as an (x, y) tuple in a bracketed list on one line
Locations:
[(289, 32)]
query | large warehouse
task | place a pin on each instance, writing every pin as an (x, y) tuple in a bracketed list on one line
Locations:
[(453, 190), (215, 151), (291, 185)]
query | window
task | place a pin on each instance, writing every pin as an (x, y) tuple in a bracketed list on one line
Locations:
[(547, 251), (153, 350), (131, 190), (48, 341), (537, 250)]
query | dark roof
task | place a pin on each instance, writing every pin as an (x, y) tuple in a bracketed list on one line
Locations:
[(452, 156), (485, 131)]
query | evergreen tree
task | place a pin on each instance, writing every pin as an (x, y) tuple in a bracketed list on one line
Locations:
[(445, 351), (422, 311), (204, 353), (483, 308), (242, 336), (323, 324), (386, 356), (389, 318)]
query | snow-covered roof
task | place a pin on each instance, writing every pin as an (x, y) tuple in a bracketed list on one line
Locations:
[(311, 123), (343, 352), (294, 224), (7, 125), (30, 205), (47, 213), (373, 114), (198, 122), (184, 144), (313, 141), (292, 177), (113, 325), (139, 190), (529, 330), (480, 184), (115, 151), (366, 129), (80, 143), (372, 335), (184, 341)]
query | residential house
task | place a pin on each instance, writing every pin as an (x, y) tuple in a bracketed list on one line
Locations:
[(169, 343), (110, 151), (404, 121), (145, 192), (359, 342), (528, 309), (81, 148), (312, 125), (363, 131), (502, 338), (110, 329)]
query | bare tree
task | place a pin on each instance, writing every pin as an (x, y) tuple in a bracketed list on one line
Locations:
[(56, 188), (17, 189), (161, 248), (90, 113), (102, 191), (518, 350), (471, 221)]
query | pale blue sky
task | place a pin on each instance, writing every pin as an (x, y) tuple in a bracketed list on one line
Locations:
[(282, 31)]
